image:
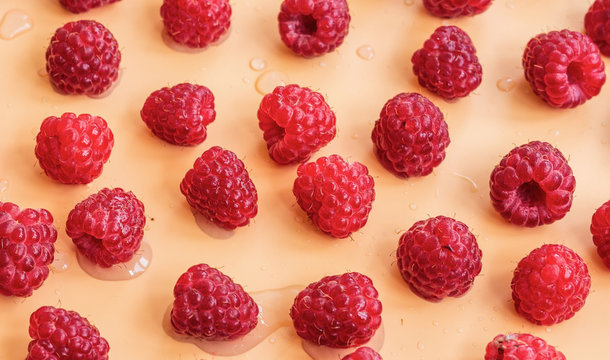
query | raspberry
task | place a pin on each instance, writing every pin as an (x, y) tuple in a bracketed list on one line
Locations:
[(73, 149), (210, 306), (339, 311), (564, 68), (179, 115), (447, 64), (532, 185), (550, 284), (219, 187), (313, 27), (59, 334), (597, 25), (410, 136), (196, 23), (521, 347), (296, 122), (455, 8), (335, 194), (107, 227), (83, 57), (26, 249), (600, 228), (363, 353), (79, 6)]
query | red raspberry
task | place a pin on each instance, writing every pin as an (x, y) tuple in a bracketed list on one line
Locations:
[(219, 187), (26, 249), (339, 311), (59, 334), (455, 8), (107, 227), (564, 68), (550, 284), (532, 185), (363, 353), (83, 58), (597, 25), (296, 122), (447, 64), (521, 347), (210, 306), (196, 23), (313, 27), (73, 149), (600, 228), (410, 136), (79, 6)]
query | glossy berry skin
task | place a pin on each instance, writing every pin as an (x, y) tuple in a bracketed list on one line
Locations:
[(208, 305), (312, 28), (455, 8), (533, 185), (108, 226), (339, 311), (597, 25), (363, 353), (296, 122), (521, 347), (80, 6), (550, 284), (600, 229), (196, 23)]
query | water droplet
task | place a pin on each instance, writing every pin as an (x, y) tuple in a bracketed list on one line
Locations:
[(548, 329), (366, 52), (435, 323), (460, 330), (61, 262), (14, 23), (412, 206), (263, 268), (3, 185), (473, 185), (355, 136), (266, 82), (258, 64), (553, 132), (409, 2), (322, 64), (245, 80), (485, 328), (506, 84), (420, 346), (272, 340), (445, 22)]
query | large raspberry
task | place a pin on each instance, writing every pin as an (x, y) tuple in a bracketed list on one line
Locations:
[(600, 229), (597, 25), (339, 311), (296, 122), (79, 6), (363, 353), (196, 23), (521, 347), (532, 185), (454, 8)]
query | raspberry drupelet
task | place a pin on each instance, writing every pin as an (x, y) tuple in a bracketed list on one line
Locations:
[(521, 347), (196, 23), (80, 6), (600, 229), (363, 353), (597, 25), (455, 8)]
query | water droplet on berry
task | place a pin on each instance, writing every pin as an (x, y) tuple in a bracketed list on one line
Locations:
[(409, 2), (420, 346), (124, 271), (366, 52), (506, 84), (258, 64), (412, 206), (320, 352), (266, 82), (61, 262), (14, 23)]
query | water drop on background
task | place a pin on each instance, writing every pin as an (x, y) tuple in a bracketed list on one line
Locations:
[(409, 2), (14, 23), (366, 52), (257, 64), (506, 84)]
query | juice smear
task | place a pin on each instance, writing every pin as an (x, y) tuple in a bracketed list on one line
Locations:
[(319, 352), (14, 23), (209, 227), (124, 271)]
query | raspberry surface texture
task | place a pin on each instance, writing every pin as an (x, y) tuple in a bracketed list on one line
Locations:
[(79, 6), (83, 57), (454, 8), (597, 25), (363, 353), (313, 27), (196, 23), (339, 311), (208, 305), (521, 347), (533, 185), (600, 229), (296, 122), (564, 68)]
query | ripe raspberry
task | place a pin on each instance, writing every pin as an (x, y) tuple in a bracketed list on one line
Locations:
[(219, 187), (550, 284), (107, 227), (339, 311), (597, 25), (210, 306), (313, 27), (564, 68), (335, 194), (455, 8), (83, 58), (363, 353), (73, 149), (600, 228), (410, 136), (296, 122), (196, 23), (521, 347), (79, 6), (26, 249), (447, 64), (59, 334), (532, 185)]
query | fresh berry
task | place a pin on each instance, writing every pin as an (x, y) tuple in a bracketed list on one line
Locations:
[(533, 185), (313, 27), (26, 249), (107, 227), (79, 6), (447, 64), (363, 353), (196, 23), (521, 347), (180, 114), (219, 187), (73, 149), (210, 306), (59, 334), (296, 122), (564, 68), (455, 8), (600, 228), (338, 311), (550, 284), (335, 194), (410, 136), (83, 57), (597, 25)]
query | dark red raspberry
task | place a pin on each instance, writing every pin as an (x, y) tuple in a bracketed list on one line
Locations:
[(597, 25), (564, 68), (447, 64), (83, 58), (219, 187), (363, 353), (339, 311), (521, 347), (532, 185), (550, 284), (107, 227), (296, 122), (210, 306), (455, 8), (79, 6), (600, 228), (196, 23), (313, 27), (59, 334)]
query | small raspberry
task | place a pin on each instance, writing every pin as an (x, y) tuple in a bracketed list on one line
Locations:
[(196, 23), (532, 185), (80, 6), (313, 27), (521, 347), (455, 8), (107, 227), (600, 228), (447, 64), (363, 353), (296, 122), (339, 311), (597, 25)]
